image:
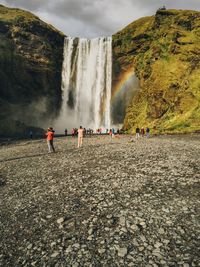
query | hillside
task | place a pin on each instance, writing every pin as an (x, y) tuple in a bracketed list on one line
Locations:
[(164, 51), (30, 71)]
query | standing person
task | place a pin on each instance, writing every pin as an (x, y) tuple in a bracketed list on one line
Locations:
[(80, 136), (147, 132), (84, 132), (73, 132), (65, 132), (142, 132), (110, 133), (137, 132), (31, 135), (50, 136), (113, 133)]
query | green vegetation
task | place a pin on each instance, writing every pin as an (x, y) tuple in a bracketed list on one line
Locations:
[(165, 52), (18, 16)]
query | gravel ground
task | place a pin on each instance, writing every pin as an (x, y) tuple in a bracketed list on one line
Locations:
[(118, 202)]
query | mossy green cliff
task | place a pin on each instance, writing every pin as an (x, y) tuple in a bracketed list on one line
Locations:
[(31, 54), (164, 51)]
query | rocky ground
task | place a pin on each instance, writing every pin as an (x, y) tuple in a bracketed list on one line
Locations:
[(110, 203)]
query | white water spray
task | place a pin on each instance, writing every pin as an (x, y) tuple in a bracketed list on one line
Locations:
[(66, 69), (87, 78)]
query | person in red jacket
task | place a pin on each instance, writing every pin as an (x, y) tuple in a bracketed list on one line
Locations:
[(50, 136)]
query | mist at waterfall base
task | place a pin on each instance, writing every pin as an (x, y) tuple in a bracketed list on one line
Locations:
[(86, 84)]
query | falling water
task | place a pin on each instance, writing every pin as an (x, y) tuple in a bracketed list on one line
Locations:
[(68, 43), (86, 80)]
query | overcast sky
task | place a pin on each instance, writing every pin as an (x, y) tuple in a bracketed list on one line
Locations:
[(92, 18)]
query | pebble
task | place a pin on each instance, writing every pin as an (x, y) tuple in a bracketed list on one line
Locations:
[(54, 255), (68, 249), (60, 220), (122, 252), (125, 203), (29, 246), (161, 231), (101, 251)]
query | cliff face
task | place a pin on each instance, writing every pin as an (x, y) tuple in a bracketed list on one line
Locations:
[(164, 51), (31, 54)]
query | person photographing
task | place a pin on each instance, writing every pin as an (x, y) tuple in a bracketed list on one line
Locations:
[(50, 137)]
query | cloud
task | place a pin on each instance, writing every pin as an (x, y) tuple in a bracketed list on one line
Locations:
[(91, 18), (32, 5)]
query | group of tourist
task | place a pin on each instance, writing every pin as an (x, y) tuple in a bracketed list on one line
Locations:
[(82, 131), (141, 132), (90, 131), (50, 136), (74, 132)]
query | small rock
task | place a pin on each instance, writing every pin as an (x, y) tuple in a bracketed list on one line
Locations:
[(68, 249), (55, 254), (158, 244), (101, 251), (53, 244), (90, 231), (122, 252), (29, 246), (134, 227), (90, 237), (122, 221), (161, 231), (165, 210), (141, 248), (60, 220), (76, 245)]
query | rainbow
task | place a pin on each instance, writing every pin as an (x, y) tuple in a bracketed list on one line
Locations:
[(123, 78), (119, 86)]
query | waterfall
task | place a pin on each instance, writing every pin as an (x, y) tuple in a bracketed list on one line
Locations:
[(108, 83), (86, 82), (66, 69)]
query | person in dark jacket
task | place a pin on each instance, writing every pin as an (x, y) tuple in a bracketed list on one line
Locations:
[(137, 131), (147, 132)]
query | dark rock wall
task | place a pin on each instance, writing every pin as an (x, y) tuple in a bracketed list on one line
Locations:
[(31, 55)]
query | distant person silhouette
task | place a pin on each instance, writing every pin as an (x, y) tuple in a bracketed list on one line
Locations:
[(142, 132), (147, 132), (137, 132), (31, 135), (113, 133), (73, 132)]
